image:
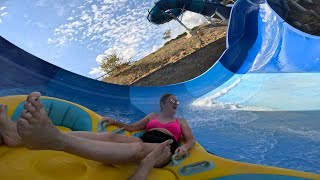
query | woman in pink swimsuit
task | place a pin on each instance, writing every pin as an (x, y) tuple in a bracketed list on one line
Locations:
[(160, 127)]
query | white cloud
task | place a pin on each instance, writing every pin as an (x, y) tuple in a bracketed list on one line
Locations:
[(96, 72), (27, 19), (117, 26), (129, 52), (40, 25), (41, 2), (50, 41), (60, 10), (125, 53), (58, 5), (155, 47), (191, 19), (2, 13), (100, 58)]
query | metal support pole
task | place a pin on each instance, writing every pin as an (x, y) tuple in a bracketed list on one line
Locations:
[(180, 22)]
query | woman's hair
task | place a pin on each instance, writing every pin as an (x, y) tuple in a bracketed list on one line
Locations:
[(163, 99)]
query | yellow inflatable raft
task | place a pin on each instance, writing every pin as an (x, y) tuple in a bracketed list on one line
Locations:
[(21, 163)]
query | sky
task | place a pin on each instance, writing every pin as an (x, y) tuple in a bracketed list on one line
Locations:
[(77, 34)]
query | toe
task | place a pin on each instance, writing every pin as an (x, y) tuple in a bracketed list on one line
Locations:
[(23, 126), (28, 106), (168, 142), (165, 144), (3, 108), (25, 114), (34, 94), (35, 102)]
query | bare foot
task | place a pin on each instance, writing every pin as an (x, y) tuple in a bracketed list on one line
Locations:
[(34, 126), (159, 156), (8, 129), (160, 153)]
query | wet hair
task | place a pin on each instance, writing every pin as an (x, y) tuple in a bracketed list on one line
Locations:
[(163, 99)]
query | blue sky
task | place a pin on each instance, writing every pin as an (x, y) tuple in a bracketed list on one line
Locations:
[(76, 34)]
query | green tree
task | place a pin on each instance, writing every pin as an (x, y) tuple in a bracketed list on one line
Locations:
[(113, 64)]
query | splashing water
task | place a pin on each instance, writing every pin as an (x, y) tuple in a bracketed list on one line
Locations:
[(288, 139)]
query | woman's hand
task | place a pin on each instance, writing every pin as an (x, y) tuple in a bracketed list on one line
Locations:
[(182, 151), (109, 121)]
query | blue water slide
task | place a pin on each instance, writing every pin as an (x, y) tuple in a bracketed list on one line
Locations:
[(160, 12), (268, 65)]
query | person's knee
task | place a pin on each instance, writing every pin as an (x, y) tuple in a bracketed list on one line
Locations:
[(108, 136), (140, 141), (139, 147), (139, 151), (118, 138)]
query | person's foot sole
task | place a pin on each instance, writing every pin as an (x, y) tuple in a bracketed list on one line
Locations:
[(34, 126), (159, 156)]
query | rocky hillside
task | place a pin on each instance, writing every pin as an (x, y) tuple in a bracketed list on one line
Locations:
[(198, 52)]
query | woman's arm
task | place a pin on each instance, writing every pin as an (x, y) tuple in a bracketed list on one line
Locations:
[(188, 137), (139, 125), (187, 134)]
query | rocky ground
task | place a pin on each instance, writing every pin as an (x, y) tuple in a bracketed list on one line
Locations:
[(308, 21)]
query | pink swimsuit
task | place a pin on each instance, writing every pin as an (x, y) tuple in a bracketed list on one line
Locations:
[(173, 127)]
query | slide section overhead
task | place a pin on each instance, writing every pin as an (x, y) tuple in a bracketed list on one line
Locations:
[(165, 10)]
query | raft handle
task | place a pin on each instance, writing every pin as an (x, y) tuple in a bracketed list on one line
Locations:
[(175, 161), (102, 127), (196, 168)]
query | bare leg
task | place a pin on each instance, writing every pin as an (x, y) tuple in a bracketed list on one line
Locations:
[(148, 147), (38, 132), (8, 129), (162, 151), (105, 136)]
